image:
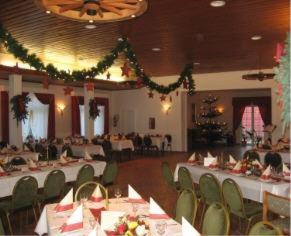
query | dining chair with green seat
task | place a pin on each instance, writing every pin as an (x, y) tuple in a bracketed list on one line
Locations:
[(210, 191), (185, 179), (186, 206), (23, 196), (216, 220), (109, 174), (280, 206), (168, 176), (87, 189), (53, 187), (265, 228), (85, 174), (234, 201)]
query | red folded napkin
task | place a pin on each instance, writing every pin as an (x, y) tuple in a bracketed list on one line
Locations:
[(88, 160), (236, 171), (131, 200), (34, 169), (265, 177), (72, 161), (111, 233), (62, 164), (159, 216), (212, 166), (3, 174), (96, 199), (96, 212), (71, 227)]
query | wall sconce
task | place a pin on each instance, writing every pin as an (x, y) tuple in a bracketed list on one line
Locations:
[(220, 109), (167, 106), (61, 107)]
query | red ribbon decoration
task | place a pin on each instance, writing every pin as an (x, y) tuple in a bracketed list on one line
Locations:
[(159, 216), (71, 227), (67, 207)]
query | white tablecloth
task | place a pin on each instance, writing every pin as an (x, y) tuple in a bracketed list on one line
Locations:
[(50, 222), (158, 141), (119, 145), (285, 157), (79, 150), (25, 155), (252, 188), (7, 182)]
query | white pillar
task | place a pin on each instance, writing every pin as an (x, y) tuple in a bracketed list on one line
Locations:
[(89, 123), (15, 130)]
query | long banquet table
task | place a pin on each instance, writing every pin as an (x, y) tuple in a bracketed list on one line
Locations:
[(25, 155), (79, 150), (285, 156), (7, 183), (119, 145), (50, 221), (252, 188)]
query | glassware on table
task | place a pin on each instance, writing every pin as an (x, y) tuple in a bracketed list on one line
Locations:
[(161, 227), (92, 222), (134, 208), (117, 193)]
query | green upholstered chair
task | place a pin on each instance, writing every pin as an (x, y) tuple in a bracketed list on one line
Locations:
[(85, 174), (280, 206), (23, 196), (2, 232), (265, 228), (110, 173), (67, 148), (168, 176), (216, 220), (186, 206), (234, 200), (53, 186), (52, 152), (87, 189), (210, 191), (185, 179), (252, 155)]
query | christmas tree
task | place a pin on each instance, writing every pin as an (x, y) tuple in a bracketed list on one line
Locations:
[(211, 129)]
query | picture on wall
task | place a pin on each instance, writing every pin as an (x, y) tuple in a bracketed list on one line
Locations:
[(152, 123)]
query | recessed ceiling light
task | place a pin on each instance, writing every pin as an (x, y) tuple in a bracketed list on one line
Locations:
[(48, 12), (256, 37), (196, 63), (132, 16), (156, 49), (90, 26), (119, 39), (217, 3), (91, 21)]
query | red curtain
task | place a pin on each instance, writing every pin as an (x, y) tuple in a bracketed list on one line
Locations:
[(104, 102), (76, 122), (5, 115)]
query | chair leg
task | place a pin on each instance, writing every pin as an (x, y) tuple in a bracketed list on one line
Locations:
[(9, 223), (34, 213), (248, 226), (202, 214)]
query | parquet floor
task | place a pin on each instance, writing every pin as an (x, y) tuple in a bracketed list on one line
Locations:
[(144, 174)]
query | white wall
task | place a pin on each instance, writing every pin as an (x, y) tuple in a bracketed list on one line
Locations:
[(63, 123), (175, 122)]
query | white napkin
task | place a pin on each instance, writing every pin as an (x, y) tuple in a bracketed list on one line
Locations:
[(64, 154), (267, 172), (63, 160), (256, 162), (286, 170), (109, 219), (26, 148), (232, 160), (192, 157), (209, 154), (31, 164), (66, 203), (1, 170), (133, 195), (75, 218), (97, 231), (214, 162), (87, 156), (208, 161), (97, 195), (188, 229), (156, 212), (238, 166)]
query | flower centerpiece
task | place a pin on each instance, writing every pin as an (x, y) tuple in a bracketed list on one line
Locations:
[(130, 226)]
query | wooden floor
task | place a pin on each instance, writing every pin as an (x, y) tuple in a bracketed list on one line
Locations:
[(144, 174)]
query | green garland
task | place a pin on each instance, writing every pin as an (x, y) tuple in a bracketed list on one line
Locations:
[(21, 53), (93, 109), (19, 107)]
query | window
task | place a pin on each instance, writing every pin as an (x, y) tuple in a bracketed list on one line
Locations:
[(98, 122), (252, 120), (37, 122)]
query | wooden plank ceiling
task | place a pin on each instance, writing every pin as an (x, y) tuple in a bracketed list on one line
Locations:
[(185, 30)]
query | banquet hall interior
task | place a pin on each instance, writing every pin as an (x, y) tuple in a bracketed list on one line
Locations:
[(145, 117)]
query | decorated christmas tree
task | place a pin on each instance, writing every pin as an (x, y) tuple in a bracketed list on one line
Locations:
[(211, 129)]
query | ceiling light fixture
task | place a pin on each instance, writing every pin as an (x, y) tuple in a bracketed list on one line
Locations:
[(90, 26), (156, 49), (256, 37), (91, 21), (48, 12), (132, 16), (196, 63), (217, 3)]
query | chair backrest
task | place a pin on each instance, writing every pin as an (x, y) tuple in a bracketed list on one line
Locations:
[(24, 192), (52, 152), (274, 159), (233, 197), (147, 141), (54, 184), (168, 174), (87, 189), (184, 178), (106, 145), (265, 228), (18, 161), (109, 173), (210, 188), (137, 141), (252, 155), (169, 138), (29, 146), (39, 148), (216, 220), (67, 148), (2, 232), (186, 206), (276, 204), (85, 174)]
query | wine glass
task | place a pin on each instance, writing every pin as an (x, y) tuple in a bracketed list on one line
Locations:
[(161, 227), (117, 193), (92, 222), (134, 208)]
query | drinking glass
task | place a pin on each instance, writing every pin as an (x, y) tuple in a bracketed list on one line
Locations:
[(117, 193), (92, 222), (161, 227)]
